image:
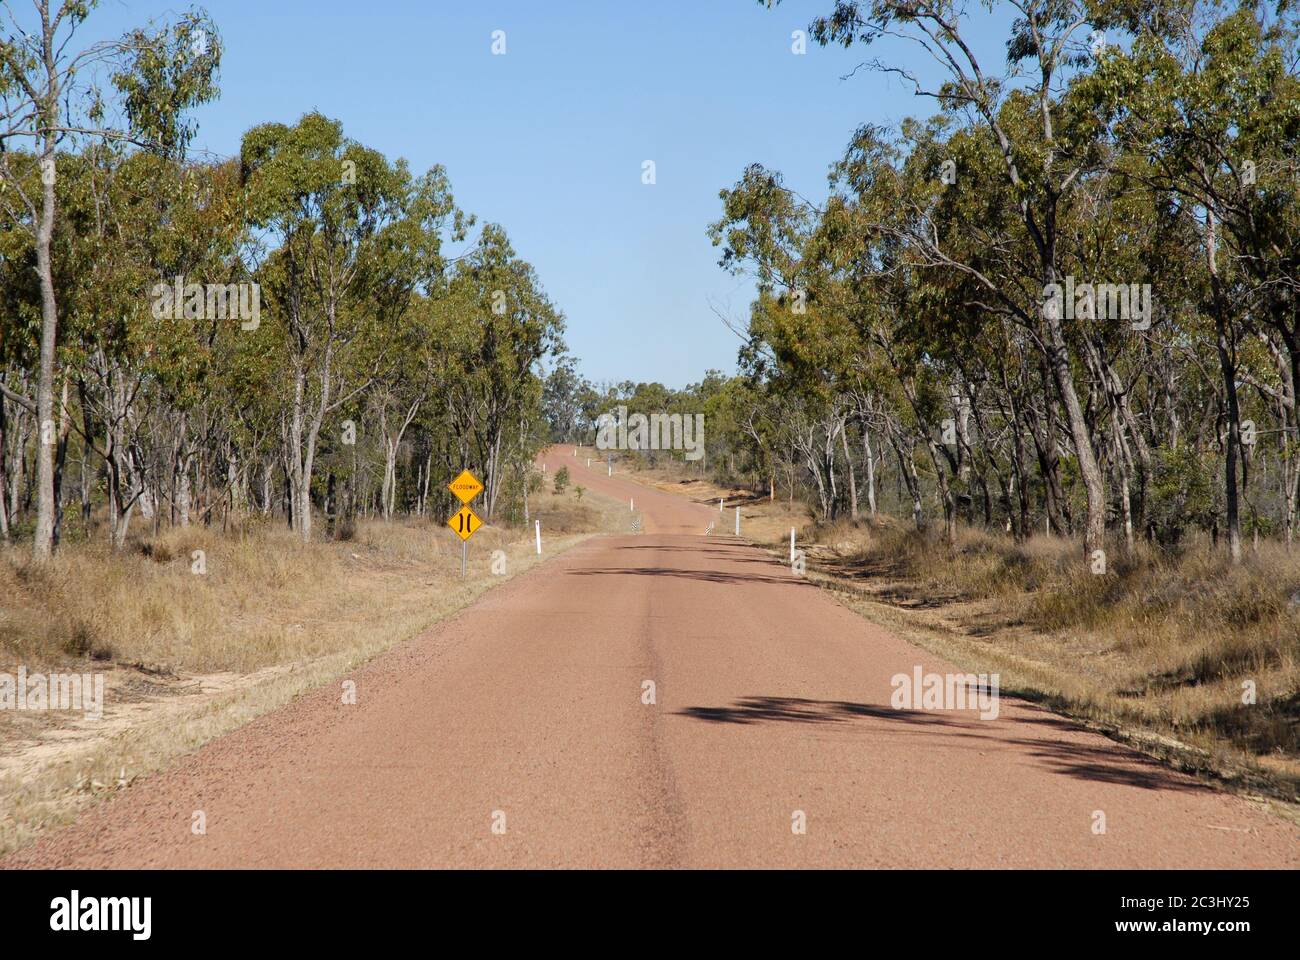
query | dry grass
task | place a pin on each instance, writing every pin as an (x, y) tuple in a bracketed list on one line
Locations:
[(1162, 643), (264, 597), (187, 656)]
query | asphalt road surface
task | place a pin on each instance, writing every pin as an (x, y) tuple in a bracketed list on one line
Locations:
[(515, 734)]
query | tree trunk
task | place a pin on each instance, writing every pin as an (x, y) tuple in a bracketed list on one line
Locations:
[(1226, 349), (4, 454), (871, 469), (43, 539), (60, 461), (1094, 534), (848, 465)]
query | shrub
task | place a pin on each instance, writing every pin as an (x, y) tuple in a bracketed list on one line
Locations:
[(1182, 493)]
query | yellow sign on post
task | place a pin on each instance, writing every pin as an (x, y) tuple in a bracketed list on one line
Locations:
[(465, 521), (466, 487)]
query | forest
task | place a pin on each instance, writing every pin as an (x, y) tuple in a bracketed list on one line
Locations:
[(1065, 301), (309, 329), (915, 318)]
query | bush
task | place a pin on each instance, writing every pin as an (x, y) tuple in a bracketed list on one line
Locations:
[(561, 479), (1182, 493)]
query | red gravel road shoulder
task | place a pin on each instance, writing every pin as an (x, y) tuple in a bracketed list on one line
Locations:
[(517, 734)]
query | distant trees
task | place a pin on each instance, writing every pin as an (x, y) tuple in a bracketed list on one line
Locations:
[(562, 400)]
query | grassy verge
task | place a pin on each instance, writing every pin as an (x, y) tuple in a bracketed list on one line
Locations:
[(1202, 656), (187, 656)]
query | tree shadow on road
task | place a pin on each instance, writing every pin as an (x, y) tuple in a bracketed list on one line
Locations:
[(709, 576), (1098, 761), (731, 553), (723, 553), (801, 710)]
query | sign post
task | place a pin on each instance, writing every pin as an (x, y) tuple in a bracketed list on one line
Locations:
[(465, 522)]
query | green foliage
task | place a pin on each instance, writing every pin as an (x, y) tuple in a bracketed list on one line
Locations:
[(164, 73), (1183, 494)]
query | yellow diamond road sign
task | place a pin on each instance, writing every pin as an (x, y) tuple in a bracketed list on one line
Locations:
[(465, 521), (466, 486)]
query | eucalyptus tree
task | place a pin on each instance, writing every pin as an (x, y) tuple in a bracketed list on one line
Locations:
[(346, 238), (561, 400), (424, 361), (51, 98), (513, 328), (765, 230), (20, 326), (752, 426), (1214, 107), (1045, 147)]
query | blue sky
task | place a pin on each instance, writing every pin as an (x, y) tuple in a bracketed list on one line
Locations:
[(549, 139)]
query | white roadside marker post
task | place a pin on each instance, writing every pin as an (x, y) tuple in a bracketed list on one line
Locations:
[(538, 528), (719, 505), (589, 463), (738, 521), (631, 504), (792, 544)]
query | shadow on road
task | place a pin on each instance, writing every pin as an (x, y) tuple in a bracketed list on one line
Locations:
[(800, 710), (1101, 762), (710, 576)]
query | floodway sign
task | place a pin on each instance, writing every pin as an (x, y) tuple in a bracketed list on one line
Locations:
[(464, 521), (466, 487)]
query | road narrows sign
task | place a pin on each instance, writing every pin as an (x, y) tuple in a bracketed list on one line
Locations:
[(464, 522), (466, 487)]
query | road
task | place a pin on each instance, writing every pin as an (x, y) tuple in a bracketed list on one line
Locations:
[(515, 735)]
